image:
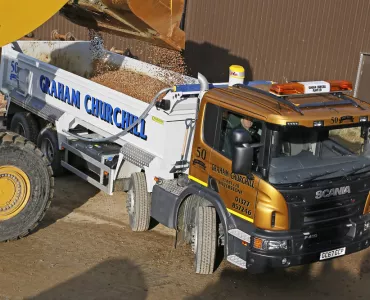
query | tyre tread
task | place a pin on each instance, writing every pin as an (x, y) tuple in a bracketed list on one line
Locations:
[(28, 121), (50, 132), (207, 236), (7, 138), (142, 202)]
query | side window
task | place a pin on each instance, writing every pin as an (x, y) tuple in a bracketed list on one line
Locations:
[(231, 121), (210, 123)]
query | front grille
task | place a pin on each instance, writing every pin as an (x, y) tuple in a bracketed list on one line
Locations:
[(331, 211), (326, 222), (325, 212)]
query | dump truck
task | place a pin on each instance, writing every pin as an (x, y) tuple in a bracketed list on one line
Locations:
[(26, 178), (271, 175)]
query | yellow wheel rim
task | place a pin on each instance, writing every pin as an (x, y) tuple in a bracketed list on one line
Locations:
[(15, 189)]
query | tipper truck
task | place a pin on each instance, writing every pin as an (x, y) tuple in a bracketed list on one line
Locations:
[(272, 175), (26, 178)]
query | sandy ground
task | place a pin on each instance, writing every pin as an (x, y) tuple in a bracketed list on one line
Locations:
[(85, 250)]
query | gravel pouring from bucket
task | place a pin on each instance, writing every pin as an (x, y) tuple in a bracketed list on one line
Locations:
[(153, 21)]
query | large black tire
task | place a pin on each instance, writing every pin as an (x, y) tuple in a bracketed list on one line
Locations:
[(18, 153), (138, 203), (204, 241), (47, 142), (25, 124)]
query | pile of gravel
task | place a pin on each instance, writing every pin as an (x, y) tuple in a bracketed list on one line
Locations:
[(130, 83)]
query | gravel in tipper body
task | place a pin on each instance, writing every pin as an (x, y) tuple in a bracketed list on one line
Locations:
[(129, 82), (136, 85)]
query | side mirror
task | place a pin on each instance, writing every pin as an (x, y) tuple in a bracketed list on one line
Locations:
[(242, 152)]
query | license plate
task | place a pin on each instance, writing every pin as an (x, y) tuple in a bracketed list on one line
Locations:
[(332, 253)]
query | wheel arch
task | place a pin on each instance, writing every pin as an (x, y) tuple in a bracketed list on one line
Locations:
[(211, 199)]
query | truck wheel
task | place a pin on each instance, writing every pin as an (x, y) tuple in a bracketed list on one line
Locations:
[(138, 203), (25, 124), (26, 186), (47, 141), (204, 239)]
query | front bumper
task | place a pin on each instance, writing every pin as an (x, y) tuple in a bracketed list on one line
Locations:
[(260, 262), (301, 248)]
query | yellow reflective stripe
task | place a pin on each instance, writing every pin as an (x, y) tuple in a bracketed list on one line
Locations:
[(240, 215), (198, 181)]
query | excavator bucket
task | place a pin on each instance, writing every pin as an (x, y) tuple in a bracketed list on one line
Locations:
[(18, 18), (154, 21)]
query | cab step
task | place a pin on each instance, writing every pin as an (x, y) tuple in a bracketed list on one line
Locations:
[(236, 260)]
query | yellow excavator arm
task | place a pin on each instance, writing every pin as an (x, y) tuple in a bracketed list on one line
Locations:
[(18, 18), (154, 21)]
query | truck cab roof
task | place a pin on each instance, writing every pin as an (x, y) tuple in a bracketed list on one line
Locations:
[(301, 110)]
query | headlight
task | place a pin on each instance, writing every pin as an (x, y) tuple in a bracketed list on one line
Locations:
[(277, 245), (270, 245)]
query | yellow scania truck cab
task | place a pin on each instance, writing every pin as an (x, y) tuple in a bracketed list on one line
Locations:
[(287, 167)]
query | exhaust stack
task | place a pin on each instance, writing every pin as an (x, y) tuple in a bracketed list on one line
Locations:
[(204, 84)]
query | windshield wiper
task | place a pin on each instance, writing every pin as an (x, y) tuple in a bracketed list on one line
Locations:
[(356, 170), (313, 177)]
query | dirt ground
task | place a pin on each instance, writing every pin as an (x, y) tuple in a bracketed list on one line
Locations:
[(85, 250)]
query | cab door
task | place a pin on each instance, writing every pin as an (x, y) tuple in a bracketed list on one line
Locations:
[(238, 192)]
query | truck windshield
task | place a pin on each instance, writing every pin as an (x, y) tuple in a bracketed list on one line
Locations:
[(301, 154)]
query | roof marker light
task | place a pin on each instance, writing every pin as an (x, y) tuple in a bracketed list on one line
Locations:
[(310, 87), (340, 85)]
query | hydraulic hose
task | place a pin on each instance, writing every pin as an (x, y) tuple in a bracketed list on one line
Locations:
[(126, 130)]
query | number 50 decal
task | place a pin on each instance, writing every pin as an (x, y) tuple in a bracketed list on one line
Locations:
[(202, 153), (334, 120)]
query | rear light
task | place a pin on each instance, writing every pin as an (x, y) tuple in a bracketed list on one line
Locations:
[(311, 87)]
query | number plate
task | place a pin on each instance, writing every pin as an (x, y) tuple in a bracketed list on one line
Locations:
[(332, 253)]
